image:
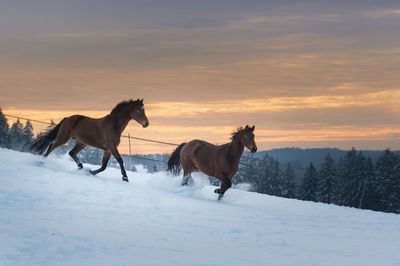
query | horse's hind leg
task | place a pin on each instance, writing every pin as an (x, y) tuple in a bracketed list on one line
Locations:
[(187, 170), (73, 153), (62, 138), (187, 166), (186, 178), (49, 149), (187, 174), (104, 161)]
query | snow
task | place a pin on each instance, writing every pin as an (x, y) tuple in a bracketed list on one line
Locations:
[(53, 214)]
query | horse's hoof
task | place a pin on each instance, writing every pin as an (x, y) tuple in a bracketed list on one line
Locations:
[(80, 166), (217, 190), (92, 172), (125, 179), (220, 196)]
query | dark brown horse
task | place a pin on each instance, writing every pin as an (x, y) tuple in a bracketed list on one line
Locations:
[(220, 161), (103, 133)]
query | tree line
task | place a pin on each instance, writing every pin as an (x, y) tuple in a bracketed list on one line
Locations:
[(354, 180), (17, 137)]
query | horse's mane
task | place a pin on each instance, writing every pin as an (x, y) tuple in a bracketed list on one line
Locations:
[(235, 133), (124, 104)]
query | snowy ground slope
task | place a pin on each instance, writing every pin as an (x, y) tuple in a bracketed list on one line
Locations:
[(53, 214)]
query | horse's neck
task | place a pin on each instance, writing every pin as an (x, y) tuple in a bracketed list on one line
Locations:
[(121, 120), (235, 149)]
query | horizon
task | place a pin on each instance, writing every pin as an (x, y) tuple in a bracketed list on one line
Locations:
[(287, 148), (307, 74)]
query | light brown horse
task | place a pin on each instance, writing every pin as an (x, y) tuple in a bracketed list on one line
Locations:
[(103, 133), (220, 161)]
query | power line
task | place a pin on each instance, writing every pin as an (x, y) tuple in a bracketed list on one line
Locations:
[(152, 140), (28, 119), (124, 136)]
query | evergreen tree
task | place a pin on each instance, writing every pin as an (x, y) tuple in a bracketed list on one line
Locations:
[(263, 182), (27, 133), (327, 179), (4, 131), (247, 172), (16, 136), (289, 185), (276, 179), (354, 176), (309, 187), (338, 190), (371, 193), (388, 171), (265, 176), (269, 181)]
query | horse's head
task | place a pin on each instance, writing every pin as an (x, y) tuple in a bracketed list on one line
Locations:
[(247, 139), (138, 113)]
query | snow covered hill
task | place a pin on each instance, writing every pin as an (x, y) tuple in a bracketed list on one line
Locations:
[(53, 214)]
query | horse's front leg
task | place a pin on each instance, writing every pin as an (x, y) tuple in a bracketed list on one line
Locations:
[(226, 183), (117, 156)]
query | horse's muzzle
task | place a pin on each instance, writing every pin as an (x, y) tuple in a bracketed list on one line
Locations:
[(145, 124), (254, 149)]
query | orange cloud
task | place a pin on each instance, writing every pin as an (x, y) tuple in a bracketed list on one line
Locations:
[(308, 135), (171, 109)]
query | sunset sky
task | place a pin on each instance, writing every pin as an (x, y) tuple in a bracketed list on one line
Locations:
[(306, 73)]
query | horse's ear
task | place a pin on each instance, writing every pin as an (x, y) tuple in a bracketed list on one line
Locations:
[(247, 127), (141, 100), (252, 129)]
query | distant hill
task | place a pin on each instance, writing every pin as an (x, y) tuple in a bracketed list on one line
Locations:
[(303, 157), (297, 157)]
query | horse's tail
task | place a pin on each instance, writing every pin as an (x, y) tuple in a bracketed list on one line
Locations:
[(44, 139), (174, 161)]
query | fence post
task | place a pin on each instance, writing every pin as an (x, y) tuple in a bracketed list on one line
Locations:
[(130, 152)]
